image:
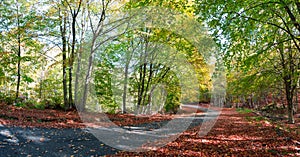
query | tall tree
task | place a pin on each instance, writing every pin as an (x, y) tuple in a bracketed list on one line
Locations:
[(74, 14), (247, 30), (63, 33), (21, 25), (19, 51)]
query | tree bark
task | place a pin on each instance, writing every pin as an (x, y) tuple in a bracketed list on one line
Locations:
[(64, 58), (125, 88), (81, 106), (289, 98), (19, 56), (71, 58)]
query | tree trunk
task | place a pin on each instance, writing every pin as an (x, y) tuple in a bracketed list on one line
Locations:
[(19, 56), (77, 101), (82, 105), (128, 59), (71, 61), (291, 119), (78, 66), (64, 58), (125, 88), (296, 100), (289, 98), (71, 102), (19, 67), (141, 87)]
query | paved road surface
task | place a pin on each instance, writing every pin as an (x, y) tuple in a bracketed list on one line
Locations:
[(16, 141)]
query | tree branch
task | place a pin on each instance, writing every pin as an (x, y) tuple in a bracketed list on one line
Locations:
[(291, 15)]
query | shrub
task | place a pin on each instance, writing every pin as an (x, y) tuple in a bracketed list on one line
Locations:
[(39, 106), (172, 103)]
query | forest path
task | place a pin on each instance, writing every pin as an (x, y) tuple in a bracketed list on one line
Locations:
[(39, 141), (233, 134)]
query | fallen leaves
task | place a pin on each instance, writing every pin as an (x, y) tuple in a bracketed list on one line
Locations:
[(48, 118), (232, 135)]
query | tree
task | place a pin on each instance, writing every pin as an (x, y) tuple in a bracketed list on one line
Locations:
[(147, 73), (74, 13), (20, 28), (63, 33), (247, 30), (98, 34)]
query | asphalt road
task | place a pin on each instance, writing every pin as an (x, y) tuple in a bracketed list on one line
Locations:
[(16, 141)]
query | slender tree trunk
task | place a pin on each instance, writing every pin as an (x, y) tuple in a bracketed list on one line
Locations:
[(81, 106), (77, 101), (289, 98), (296, 100), (64, 59), (128, 59), (88, 76), (148, 83), (19, 56), (74, 13), (150, 103), (290, 87), (140, 82), (125, 87), (71, 61), (141, 86), (78, 67), (71, 102), (41, 82), (19, 67)]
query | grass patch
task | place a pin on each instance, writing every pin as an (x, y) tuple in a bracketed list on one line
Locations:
[(243, 110), (258, 118), (248, 118), (255, 118), (39, 106)]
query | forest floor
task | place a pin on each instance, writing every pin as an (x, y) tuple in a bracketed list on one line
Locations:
[(234, 134)]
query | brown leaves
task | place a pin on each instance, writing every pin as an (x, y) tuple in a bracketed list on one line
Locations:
[(232, 135), (12, 115)]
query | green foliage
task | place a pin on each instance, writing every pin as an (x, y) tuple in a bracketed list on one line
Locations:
[(178, 5), (37, 32), (110, 108), (27, 79), (256, 119), (39, 106), (7, 98), (172, 103), (260, 40), (244, 110), (20, 104)]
